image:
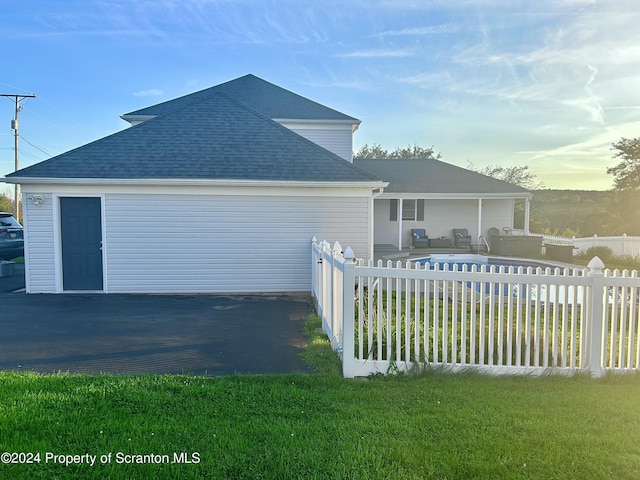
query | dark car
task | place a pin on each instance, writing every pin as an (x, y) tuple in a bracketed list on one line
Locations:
[(11, 237)]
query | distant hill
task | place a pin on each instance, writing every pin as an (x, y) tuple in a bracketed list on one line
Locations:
[(585, 212)]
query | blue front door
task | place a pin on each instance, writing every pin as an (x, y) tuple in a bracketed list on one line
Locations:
[(81, 234)]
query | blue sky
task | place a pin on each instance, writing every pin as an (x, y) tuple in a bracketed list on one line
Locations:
[(549, 84)]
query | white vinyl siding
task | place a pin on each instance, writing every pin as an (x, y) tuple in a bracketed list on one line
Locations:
[(40, 273), (385, 232), (441, 217), (497, 213), (335, 138), (218, 243)]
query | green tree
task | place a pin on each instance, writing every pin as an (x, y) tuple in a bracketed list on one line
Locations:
[(375, 151), (6, 204), (516, 175), (626, 175)]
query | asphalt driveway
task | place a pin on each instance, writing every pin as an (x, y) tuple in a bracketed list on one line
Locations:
[(152, 334)]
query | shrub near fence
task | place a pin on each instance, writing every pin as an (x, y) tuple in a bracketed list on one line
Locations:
[(384, 318)]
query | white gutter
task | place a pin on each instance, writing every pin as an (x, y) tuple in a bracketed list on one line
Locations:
[(375, 184), (453, 196), (343, 121)]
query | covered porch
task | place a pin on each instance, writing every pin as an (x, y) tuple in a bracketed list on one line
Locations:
[(439, 197), (396, 215)]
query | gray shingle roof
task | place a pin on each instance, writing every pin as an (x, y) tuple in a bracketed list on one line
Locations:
[(270, 100), (229, 140), (435, 176)]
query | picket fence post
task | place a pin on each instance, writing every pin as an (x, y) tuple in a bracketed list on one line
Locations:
[(327, 282), (348, 314), (314, 272), (593, 360)]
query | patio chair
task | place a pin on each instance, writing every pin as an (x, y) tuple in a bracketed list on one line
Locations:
[(461, 237), (419, 238)]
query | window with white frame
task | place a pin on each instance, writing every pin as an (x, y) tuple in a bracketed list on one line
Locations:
[(412, 210), (409, 210)]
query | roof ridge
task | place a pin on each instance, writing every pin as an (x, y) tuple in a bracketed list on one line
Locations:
[(273, 99)]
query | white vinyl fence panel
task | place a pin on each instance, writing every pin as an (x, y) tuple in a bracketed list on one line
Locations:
[(385, 318), (621, 246)]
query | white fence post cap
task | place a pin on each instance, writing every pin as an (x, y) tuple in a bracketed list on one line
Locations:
[(349, 255), (596, 263)]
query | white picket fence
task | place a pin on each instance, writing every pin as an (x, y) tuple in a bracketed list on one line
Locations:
[(556, 240), (392, 317)]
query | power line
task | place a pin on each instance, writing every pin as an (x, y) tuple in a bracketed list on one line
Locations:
[(14, 87), (36, 147)]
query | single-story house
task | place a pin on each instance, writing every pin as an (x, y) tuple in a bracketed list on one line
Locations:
[(440, 197), (218, 191)]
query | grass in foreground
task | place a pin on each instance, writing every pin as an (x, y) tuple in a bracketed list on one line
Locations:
[(321, 426)]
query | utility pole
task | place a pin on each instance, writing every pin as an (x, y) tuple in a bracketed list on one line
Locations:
[(14, 126)]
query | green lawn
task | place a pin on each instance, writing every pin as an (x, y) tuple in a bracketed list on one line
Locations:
[(435, 425)]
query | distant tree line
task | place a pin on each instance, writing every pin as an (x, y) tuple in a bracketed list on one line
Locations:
[(415, 151), (584, 213)]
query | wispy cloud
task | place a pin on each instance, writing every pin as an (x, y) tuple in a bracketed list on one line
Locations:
[(382, 53), (154, 92), (427, 80), (626, 107), (578, 61), (339, 83), (417, 31), (591, 143)]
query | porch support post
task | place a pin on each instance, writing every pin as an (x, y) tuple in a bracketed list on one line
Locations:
[(479, 219), (400, 224), (527, 210), (371, 227)]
